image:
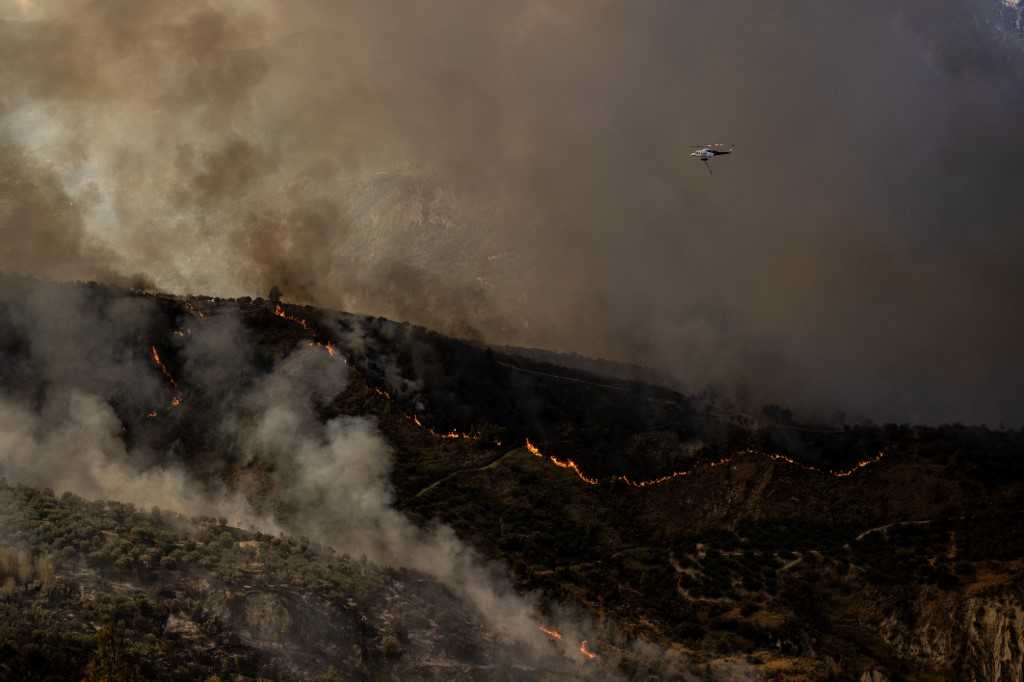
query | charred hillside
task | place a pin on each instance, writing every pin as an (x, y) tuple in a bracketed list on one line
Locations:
[(675, 536), (106, 591)]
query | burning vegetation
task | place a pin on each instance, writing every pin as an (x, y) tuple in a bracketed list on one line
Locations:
[(563, 463), (327, 347), (625, 478), (556, 636), (279, 311), (729, 564), (550, 632), (176, 395), (448, 435)]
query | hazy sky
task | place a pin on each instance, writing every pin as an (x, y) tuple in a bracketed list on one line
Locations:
[(517, 172)]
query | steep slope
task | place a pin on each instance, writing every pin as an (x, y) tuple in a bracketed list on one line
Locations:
[(679, 536), (147, 595)]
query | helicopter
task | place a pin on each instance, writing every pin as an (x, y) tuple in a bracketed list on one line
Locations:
[(706, 152)]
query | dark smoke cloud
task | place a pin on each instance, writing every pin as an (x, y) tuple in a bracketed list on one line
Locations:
[(516, 172)]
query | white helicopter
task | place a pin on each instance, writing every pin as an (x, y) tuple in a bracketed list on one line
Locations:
[(706, 152)]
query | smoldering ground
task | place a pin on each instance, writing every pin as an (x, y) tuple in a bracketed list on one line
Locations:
[(516, 172)]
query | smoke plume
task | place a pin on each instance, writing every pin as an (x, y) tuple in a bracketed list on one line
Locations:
[(517, 172), (330, 481)]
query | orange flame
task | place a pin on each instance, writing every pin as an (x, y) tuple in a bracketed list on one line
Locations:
[(151, 414), (280, 312), (451, 435), (668, 477), (575, 468), (561, 463), (625, 478), (454, 435), (587, 652), (860, 465), (154, 355), (327, 346), (550, 632), (569, 464)]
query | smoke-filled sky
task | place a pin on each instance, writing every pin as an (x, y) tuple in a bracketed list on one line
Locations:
[(516, 171)]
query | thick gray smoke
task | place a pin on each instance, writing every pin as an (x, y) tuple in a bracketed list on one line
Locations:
[(76, 445), (336, 477), (517, 171), (331, 481)]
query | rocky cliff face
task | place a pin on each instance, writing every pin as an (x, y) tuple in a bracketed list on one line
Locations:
[(992, 639), (974, 634)]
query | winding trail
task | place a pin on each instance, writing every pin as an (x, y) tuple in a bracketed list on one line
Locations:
[(490, 465)]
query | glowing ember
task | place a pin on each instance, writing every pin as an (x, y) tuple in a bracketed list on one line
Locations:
[(668, 477), (454, 435), (151, 414), (451, 435), (860, 465), (587, 652), (550, 632), (280, 312), (534, 450)]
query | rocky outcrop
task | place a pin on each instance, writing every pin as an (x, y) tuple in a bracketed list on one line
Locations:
[(974, 638), (993, 633), (874, 676), (925, 629)]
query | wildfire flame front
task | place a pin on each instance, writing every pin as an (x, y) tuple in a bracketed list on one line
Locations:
[(154, 355), (280, 312), (550, 632), (575, 468)]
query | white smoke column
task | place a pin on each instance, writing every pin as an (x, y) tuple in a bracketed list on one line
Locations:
[(335, 476), (75, 445)]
